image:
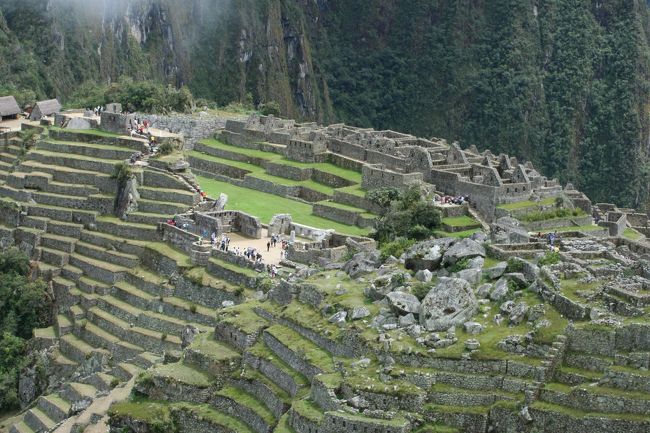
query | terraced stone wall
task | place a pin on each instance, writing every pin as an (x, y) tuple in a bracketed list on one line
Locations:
[(193, 128)]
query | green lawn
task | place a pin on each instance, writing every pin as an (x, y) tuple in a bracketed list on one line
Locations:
[(588, 228), (217, 144), (460, 235), (259, 173), (526, 204), (96, 132), (461, 221), (345, 173), (264, 206), (632, 234)]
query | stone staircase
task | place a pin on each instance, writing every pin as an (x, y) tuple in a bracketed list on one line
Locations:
[(116, 310)]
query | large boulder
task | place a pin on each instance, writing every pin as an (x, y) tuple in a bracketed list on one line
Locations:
[(426, 254), (362, 263), (403, 303), (464, 249), (451, 302)]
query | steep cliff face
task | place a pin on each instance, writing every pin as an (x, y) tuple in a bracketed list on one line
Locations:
[(564, 83)]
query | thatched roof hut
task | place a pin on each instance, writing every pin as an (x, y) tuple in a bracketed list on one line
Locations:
[(45, 108), (9, 108)]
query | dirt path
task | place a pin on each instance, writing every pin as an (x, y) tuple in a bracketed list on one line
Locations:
[(272, 257), (99, 406)]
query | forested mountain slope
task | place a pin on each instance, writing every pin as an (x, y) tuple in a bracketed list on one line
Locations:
[(562, 82)]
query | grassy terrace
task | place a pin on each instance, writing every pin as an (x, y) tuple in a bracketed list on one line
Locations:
[(351, 175), (259, 173), (460, 235), (588, 228), (348, 208), (264, 206), (461, 221), (527, 204), (91, 132)]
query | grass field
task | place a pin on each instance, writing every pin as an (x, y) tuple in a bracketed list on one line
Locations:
[(264, 206), (526, 204)]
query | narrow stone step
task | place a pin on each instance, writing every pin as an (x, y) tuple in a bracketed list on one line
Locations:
[(89, 285), (303, 355), (262, 359), (97, 269), (111, 242), (101, 337), (129, 293), (246, 407), (271, 395), (75, 348), (38, 420), (110, 256), (170, 195), (126, 371), (130, 230), (64, 228), (21, 427), (54, 257), (54, 406), (72, 190), (35, 222), (64, 214), (65, 174), (76, 391), (147, 218), (60, 200), (63, 325), (146, 360), (62, 243), (71, 273), (161, 207), (101, 381)]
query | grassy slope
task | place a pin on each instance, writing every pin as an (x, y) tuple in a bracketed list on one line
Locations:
[(264, 206)]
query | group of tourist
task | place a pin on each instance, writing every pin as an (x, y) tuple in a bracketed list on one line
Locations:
[(223, 244), (450, 199), (98, 110)]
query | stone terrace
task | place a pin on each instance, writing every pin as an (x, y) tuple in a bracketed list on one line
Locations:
[(118, 308), (388, 158)]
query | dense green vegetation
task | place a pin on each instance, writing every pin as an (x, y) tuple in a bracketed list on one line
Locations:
[(25, 305), (564, 83), (408, 216)]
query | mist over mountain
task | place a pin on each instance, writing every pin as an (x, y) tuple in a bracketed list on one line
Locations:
[(564, 83)]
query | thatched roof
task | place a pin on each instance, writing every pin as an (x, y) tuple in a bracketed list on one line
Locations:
[(45, 108), (9, 106)]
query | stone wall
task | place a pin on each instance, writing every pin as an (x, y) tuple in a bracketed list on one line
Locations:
[(193, 127), (378, 176), (116, 122)]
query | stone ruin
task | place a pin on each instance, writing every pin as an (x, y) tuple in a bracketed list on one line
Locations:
[(482, 334), (392, 159)]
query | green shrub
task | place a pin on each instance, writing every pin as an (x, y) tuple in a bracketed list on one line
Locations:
[(29, 137), (193, 308), (114, 382), (460, 265), (163, 337), (514, 265), (420, 290), (265, 284), (398, 279), (395, 248), (270, 108), (419, 232), (166, 148), (550, 258), (382, 197), (122, 172)]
